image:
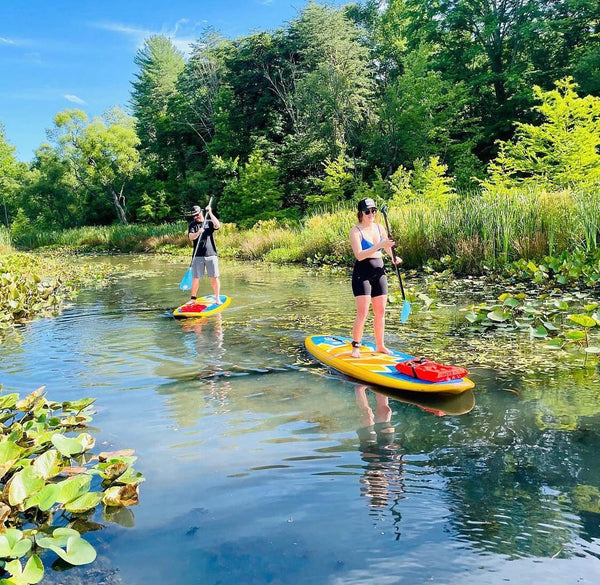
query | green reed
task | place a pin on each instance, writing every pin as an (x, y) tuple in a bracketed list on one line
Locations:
[(476, 231), (5, 240)]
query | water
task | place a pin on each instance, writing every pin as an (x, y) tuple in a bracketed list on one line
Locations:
[(262, 467)]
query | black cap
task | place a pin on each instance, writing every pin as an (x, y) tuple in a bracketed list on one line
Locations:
[(365, 204), (195, 210)]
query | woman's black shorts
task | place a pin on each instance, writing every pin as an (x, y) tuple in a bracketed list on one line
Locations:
[(368, 278)]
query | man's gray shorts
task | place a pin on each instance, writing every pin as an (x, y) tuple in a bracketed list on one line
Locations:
[(210, 262)]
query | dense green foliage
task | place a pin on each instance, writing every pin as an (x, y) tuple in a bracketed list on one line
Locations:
[(402, 100), (51, 482)]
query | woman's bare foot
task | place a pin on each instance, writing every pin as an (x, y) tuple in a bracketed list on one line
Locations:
[(384, 350), (355, 353)]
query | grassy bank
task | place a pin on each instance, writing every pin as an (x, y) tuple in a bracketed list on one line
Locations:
[(520, 231)]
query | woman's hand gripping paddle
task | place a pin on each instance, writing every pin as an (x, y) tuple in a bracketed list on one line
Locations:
[(406, 304), (186, 281)]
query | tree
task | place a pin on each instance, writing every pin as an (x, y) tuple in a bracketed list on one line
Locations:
[(192, 108), (337, 186), (420, 114), (102, 153), (501, 48), (335, 89), (161, 147), (50, 194), (255, 194), (160, 64), (10, 170), (562, 151)]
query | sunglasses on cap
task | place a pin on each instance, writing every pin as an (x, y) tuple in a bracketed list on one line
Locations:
[(369, 211)]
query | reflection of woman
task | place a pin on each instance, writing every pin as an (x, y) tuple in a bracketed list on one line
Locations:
[(382, 479), (369, 283)]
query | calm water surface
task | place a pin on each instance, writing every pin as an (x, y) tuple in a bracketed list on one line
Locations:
[(263, 467)]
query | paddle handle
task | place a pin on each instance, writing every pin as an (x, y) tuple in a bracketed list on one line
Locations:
[(387, 227), (205, 222)]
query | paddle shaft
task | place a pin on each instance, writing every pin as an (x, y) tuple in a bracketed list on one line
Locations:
[(387, 227)]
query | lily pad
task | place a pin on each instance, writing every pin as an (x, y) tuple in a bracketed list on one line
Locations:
[(13, 545), (48, 464), (583, 320), (84, 502), (76, 551), (554, 344), (23, 484), (540, 332), (31, 574), (124, 495), (575, 335), (499, 316)]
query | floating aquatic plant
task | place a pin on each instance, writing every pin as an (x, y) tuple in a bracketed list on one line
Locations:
[(543, 318), (49, 477)]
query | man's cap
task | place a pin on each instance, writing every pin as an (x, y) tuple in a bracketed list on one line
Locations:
[(195, 210)]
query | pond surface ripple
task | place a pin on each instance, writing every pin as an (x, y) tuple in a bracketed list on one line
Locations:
[(262, 466)]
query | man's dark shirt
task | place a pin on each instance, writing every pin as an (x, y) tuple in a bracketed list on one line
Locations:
[(205, 241)]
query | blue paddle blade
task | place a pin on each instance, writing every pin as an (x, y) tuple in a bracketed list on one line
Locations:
[(405, 311), (186, 281)]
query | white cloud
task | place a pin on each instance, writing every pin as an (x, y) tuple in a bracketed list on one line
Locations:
[(137, 34), (73, 98), (183, 34), (5, 41)]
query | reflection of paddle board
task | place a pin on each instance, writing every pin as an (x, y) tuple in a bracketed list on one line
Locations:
[(438, 404), (203, 307), (375, 368)]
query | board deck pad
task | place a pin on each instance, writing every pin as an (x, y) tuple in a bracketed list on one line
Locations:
[(375, 368), (203, 307)]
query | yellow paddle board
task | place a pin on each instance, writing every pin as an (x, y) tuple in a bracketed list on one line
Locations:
[(375, 368), (203, 307)]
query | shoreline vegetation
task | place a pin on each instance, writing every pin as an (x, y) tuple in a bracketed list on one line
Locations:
[(543, 236)]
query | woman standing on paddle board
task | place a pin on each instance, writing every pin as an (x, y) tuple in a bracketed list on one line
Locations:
[(205, 256), (369, 283)]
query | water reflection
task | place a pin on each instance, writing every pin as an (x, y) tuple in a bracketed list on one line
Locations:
[(254, 469), (382, 479), (209, 334)]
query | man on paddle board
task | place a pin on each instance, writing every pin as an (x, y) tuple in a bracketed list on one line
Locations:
[(369, 283), (204, 255)]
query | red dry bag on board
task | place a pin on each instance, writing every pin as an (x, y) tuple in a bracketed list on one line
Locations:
[(425, 369), (193, 308)]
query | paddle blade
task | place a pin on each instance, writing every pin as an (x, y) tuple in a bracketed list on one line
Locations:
[(186, 281), (405, 311)]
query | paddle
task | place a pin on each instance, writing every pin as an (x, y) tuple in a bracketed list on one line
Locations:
[(186, 281), (406, 304)]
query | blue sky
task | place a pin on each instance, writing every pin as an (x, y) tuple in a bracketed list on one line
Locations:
[(59, 54)]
